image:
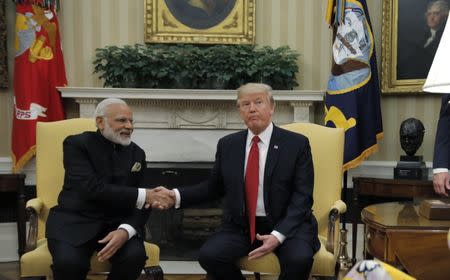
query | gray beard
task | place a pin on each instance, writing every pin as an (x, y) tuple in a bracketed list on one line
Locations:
[(115, 137)]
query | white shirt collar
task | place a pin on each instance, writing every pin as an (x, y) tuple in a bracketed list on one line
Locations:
[(433, 32), (263, 136)]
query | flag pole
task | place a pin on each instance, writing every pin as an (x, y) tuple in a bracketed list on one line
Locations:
[(352, 100), (344, 198), (343, 259)]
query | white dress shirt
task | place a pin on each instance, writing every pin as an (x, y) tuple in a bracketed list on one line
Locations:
[(263, 147), (140, 201), (431, 38), (439, 170)]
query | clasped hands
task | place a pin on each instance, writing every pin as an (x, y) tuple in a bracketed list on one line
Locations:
[(159, 198)]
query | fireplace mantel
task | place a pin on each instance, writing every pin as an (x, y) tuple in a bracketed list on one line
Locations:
[(164, 116), (300, 103)]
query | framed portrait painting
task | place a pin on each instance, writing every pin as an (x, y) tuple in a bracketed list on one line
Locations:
[(200, 21), (411, 32)]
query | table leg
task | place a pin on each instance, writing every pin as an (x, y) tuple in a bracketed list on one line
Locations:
[(15, 183), (355, 221), (366, 254), (21, 217)]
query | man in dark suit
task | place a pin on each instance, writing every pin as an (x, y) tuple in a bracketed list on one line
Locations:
[(100, 207), (441, 177), (265, 175)]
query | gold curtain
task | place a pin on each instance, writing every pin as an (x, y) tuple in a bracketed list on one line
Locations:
[(3, 51)]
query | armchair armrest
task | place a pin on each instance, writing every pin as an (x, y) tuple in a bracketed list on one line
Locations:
[(339, 207), (33, 209), (36, 204)]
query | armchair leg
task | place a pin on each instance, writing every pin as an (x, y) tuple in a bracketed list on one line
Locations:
[(153, 273), (337, 268)]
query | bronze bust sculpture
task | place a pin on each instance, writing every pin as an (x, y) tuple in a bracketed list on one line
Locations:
[(411, 135)]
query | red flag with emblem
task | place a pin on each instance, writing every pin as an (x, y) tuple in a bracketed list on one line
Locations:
[(38, 70)]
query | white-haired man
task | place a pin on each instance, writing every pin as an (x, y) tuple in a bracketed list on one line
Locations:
[(435, 17), (418, 50), (101, 206)]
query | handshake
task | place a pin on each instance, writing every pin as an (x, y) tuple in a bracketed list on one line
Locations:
[(159, 198)]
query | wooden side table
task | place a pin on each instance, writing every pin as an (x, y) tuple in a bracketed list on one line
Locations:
[(382, 187), (16, 183), (395, 233)]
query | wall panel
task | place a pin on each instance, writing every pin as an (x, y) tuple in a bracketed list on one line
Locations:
[(89, 24)]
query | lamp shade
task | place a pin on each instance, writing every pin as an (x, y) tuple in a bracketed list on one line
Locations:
[(438, 80)]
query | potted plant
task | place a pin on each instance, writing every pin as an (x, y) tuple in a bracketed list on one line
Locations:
[(191, 66), (119, 67), (276, 67)]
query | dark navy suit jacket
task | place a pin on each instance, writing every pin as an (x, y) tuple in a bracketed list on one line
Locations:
[(442, 140), (99, 191), (288, 184)]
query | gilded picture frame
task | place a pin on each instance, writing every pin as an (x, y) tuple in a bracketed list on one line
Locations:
[(405, 60), (200, 21)]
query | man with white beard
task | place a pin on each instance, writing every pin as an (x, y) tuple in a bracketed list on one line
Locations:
[(103, 204)]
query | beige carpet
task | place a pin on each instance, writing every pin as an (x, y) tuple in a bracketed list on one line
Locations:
[(10, 271)]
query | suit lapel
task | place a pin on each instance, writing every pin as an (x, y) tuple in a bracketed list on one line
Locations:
[(273, 152), (239, 151)]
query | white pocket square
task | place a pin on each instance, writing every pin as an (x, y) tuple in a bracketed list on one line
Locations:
[(136, 167)]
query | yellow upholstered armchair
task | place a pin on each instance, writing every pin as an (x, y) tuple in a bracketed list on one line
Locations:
[(49, 180), (327, 147)]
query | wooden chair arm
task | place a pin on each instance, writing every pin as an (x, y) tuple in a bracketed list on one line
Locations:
[(36, 204), (338, 208), (33, 209)]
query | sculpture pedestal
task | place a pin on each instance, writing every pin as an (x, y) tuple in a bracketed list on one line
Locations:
[(411, 167)]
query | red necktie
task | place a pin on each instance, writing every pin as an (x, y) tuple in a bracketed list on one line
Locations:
[(251, 185)]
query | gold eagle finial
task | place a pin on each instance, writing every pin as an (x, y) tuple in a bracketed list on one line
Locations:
[(338, 118)]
